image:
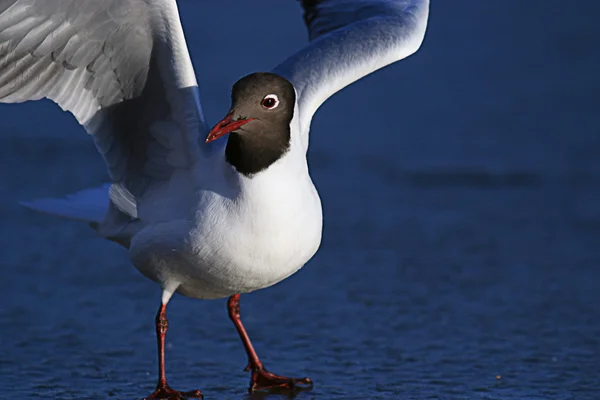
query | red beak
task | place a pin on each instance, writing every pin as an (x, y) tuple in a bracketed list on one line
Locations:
[(225, 126)]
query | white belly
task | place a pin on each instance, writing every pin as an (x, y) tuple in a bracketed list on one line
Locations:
[(231, 248)]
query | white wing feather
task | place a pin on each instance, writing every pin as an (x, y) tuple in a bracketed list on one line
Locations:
[(121, 67), (349, 40)]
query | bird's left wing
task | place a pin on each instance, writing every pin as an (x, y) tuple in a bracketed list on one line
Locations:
[(350, 39)]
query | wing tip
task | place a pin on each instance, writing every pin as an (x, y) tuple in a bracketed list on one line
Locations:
[(88, 205)]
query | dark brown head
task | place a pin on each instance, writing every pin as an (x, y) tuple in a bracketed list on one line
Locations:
[(262, 107)]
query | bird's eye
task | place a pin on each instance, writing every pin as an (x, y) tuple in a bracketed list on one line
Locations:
[(270, 101)]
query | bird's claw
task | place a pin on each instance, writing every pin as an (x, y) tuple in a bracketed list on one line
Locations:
[(165, 392), (262, 379)]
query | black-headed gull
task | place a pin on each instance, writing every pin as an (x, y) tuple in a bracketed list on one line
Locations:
[(204, 217)]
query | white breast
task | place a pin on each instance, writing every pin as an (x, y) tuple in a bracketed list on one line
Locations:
[(246, 233)]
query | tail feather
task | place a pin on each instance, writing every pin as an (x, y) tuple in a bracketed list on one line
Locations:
[(88, 205)]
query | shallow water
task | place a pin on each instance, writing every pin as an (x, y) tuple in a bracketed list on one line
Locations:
[(461, 250)]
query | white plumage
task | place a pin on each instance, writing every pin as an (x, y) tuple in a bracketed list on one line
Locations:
[(123, 69), (191, 222)]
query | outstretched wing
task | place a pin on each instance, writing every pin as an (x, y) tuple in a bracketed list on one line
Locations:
[(121, 67), (349, 39)]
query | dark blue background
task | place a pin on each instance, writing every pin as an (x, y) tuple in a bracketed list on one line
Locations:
[(461, 192)]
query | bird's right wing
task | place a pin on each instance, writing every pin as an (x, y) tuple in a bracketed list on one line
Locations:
[(122, 68)]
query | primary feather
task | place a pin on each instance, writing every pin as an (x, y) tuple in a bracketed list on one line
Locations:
[(122, 68)]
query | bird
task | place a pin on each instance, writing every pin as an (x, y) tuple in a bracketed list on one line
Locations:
[(205, 211)]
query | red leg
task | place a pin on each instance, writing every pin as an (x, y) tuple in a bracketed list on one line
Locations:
[(261, 379), (163, 391)]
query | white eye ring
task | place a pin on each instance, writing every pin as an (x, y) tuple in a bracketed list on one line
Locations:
[(268, 104)]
